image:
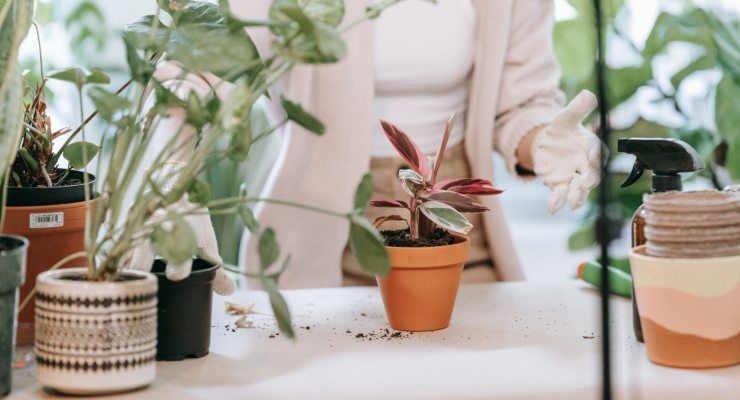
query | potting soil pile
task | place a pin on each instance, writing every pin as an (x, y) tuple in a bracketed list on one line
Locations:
[(693, 224)]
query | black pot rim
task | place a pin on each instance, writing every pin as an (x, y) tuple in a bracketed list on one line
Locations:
[(202, 271), (46, 196)]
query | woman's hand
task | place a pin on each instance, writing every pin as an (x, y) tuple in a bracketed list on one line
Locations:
[(565, 155)]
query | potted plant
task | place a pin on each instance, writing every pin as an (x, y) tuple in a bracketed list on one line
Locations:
[(12, 270), (45, 203), (166, 198), (427, 258), (687, 278)]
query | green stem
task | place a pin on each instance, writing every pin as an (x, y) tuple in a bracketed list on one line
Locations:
[(86, 190)]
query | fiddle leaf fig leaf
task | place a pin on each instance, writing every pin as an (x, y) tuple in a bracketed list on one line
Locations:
[(73, 153), (268, 249), (446, 217), (279, 306), (174, 240), (81, 77), (199, 191), (367, 246), (107, 103), (297, 114), (363, 193)]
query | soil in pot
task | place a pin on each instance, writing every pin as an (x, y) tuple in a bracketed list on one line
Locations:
[(12, 268), (95, 337), (53, 220), (419, 293), (402, 238), (184, 312)]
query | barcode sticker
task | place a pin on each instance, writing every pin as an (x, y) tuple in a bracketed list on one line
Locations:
[(47, 220)]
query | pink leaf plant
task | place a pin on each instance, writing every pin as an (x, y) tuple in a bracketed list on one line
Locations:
[(432, 203)]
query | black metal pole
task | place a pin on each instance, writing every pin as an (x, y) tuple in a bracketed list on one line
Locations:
[(603, 230)]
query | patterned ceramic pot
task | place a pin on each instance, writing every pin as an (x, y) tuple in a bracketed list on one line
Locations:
[(689, 309), (95, 337)]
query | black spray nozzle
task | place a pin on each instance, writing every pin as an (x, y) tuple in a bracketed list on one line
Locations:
[(665, 157)]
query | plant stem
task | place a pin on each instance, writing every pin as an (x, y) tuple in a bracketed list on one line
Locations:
[(86, 189), (269, 131)]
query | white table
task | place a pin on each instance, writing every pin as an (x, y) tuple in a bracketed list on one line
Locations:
[(506, 340)]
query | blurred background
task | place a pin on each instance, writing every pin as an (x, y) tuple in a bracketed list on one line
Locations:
[(674, 71)]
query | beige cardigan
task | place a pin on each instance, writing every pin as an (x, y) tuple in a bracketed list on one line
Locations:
[(514, 89)]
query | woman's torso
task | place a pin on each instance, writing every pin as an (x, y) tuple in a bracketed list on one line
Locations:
[(423, 59)]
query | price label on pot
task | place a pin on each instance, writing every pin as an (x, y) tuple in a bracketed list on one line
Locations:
[(47, 220)]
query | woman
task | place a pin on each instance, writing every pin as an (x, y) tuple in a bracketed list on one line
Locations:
[(491, 62)]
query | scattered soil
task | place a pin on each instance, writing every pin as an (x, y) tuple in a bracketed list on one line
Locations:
[(402, 238), (381, 334)]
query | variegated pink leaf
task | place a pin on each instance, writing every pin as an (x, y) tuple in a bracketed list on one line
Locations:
[(381, 220), (467, 186), (407, 149), (458, 201), (389, 203)]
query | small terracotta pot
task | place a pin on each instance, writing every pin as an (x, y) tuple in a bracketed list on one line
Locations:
[(95, 337), (53, 232), (419, 293), (688, 309)]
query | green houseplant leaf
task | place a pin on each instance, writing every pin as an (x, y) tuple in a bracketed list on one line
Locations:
[(279, 306), (107, 103), (174, 240), (367, 246), (363, 193), (268, 248), (297, 114), (73, 153), (81, 77)]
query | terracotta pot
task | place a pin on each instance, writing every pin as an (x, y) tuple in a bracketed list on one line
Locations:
[(95, 337), (54, 232), (419, 293), (12, 267), (688, 309)]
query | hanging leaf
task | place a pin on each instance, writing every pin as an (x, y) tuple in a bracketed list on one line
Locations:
[(446, 217), (297, 114), (174, 240), (199, 191), (81, 77), (138, 35), (367, 246), (268, 249), (107, 103), (279, 306), (248, 218), (363, 193), (73, 153)]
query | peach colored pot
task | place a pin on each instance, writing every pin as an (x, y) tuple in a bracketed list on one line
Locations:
[(53, 232), (689, 309), (419, 293)]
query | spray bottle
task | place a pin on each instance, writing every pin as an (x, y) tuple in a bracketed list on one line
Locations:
[(667, 158)]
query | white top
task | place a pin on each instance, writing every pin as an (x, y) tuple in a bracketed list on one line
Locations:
[(506, 340), (423, 58)]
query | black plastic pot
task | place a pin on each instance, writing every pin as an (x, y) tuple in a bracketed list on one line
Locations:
[(12, 274), (45, 196), (184, 312)]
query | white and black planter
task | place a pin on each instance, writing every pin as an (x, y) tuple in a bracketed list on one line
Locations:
[(184, 312), (95, 337)]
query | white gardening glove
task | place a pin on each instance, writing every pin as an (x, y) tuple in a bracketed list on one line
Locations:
[(143, 255), (566, 155)]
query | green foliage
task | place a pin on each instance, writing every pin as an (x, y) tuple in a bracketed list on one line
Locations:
[(268, 248), (81, 77), (311, 36), (367, 246), (363, 193), (717, 38), (446, 217), (174, 240), (107, 103), (80, 153), (297, 114)]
